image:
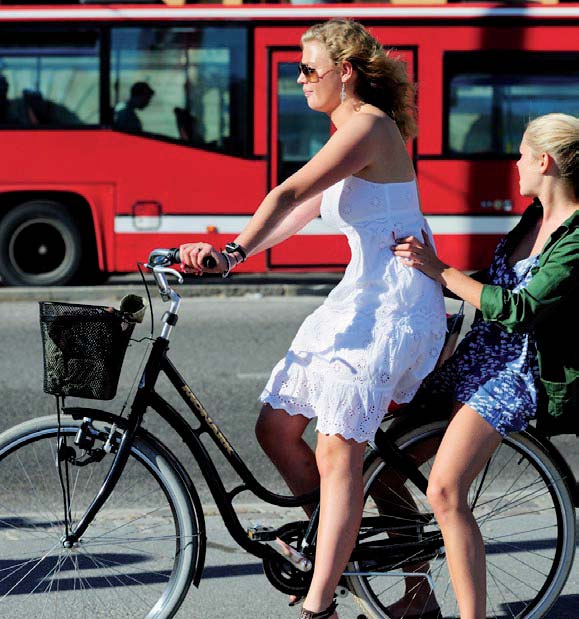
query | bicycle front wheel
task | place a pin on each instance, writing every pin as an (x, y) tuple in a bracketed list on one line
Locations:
[(522, 506), (135, 559)]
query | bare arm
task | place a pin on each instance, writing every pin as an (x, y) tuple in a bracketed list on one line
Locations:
[(294, 222), (286, 227), (462, 285)]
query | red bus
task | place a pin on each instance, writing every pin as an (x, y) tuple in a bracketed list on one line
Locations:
[(124, 128)]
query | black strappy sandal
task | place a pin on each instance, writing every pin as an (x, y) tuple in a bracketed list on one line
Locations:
[(323, 614)]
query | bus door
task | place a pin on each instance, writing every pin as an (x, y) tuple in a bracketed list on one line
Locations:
[(296, 135)]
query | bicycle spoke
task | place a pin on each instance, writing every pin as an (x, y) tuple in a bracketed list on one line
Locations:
[(111, 587), (515, 497), (112, 563), (32, 529), (526, 531), (146, 514), (519, 549), (502, 517), (514, 557), (502, 570), (41, 560), (500, 587), (513, 504), (87, 542), (94, 590), (505, 466), (48, 587), (476, 487), (73, 518), (87, 482), (122, 578), (82, 588)]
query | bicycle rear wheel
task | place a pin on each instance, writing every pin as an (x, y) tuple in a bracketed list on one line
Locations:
[(136, 558), (525, 513)]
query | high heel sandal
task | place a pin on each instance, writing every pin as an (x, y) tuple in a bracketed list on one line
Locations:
[(323, 614)]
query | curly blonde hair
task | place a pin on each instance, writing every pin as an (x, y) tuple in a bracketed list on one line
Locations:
[(557, 135), (382, 79)]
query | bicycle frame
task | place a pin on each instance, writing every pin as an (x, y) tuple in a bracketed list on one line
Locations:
[(146, 397)]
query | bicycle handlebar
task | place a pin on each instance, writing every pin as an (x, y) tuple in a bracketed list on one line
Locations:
[(168, 257)]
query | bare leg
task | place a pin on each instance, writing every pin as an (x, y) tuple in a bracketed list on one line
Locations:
[(341, 498), (465, 449), (391, 497), (280, 436)]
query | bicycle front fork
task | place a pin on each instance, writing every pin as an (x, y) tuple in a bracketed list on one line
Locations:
[(85, 440)]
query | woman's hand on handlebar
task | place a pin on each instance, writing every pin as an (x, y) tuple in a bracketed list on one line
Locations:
[(193, 255)]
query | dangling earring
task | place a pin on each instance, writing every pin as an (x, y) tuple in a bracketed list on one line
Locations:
[(343, 93)]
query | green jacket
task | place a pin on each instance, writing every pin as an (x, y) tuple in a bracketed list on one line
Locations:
[(549, 307)]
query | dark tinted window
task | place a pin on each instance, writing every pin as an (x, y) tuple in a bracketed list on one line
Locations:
[(491, 97), (49, 79), (199, 79)]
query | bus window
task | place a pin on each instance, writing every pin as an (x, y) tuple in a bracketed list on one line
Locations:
[(197, 81), (49, 79), (490, 101)]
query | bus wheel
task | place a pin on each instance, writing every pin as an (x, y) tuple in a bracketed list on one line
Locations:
[(40, 245)]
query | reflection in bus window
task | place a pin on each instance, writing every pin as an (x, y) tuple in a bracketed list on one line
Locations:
[(301, 133), (488, 110), (199, 76), (49, 85)]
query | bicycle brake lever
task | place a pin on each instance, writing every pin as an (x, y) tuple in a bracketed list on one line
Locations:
[(167, 270)]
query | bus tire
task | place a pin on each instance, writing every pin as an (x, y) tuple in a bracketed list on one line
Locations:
[(40, 245)]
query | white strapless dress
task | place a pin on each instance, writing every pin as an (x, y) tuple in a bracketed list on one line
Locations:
[(378, 333)]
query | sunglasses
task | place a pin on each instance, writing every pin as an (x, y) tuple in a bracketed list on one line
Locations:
[(312, 76)]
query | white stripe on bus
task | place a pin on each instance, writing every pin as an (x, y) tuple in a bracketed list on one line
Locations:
[(233, 224), (288, 13)]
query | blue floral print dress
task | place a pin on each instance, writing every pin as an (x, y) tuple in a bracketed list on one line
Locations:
[(493, 371)]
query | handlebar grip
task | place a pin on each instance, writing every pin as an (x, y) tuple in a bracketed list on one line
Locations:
[(173, 256), (209, 262)]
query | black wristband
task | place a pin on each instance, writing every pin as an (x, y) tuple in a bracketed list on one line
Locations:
[(232, 248)]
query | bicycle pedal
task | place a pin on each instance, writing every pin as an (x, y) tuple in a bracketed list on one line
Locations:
[(262, 533)]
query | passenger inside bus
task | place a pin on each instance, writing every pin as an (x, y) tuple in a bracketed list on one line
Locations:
[(32, 109), (41, 112), (126, 117), (187, 126), (4, 103), (11, 110)]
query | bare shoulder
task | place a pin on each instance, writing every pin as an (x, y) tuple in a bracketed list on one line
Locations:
[(372, 123)]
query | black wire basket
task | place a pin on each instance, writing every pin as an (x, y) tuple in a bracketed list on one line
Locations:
[(84, 347)]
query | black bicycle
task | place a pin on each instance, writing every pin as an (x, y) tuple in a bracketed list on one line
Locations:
[(99, 519)]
